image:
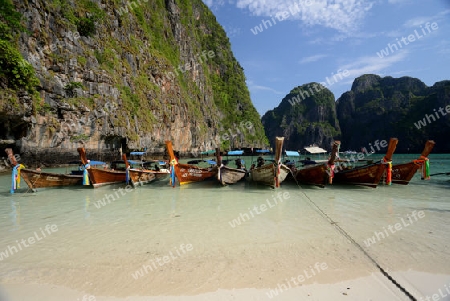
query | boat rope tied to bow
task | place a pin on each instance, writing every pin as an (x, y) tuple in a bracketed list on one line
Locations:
[(388, 171), (424, 163), (127, 175), (330, 168), (15, 177)]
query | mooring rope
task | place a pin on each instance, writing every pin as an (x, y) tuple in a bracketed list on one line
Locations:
[(343, 232)]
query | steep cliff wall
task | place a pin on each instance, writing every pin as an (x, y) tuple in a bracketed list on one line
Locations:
[(307, 115), (380, 108), (125, 74)]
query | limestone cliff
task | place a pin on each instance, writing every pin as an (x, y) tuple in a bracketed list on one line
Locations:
[(122, 74), (305, 116), (383, 107)]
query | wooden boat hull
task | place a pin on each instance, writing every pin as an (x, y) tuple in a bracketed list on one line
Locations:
[(318, 174), (189, 173), (38, 179), (312, 175), (160, 175), (367, 175), (139, 177), (284, 171), (100, 177), (266, 174), (230, 175), (403, 173)]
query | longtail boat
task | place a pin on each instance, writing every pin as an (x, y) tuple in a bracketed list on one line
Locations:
[(369, 174), (403, 173), (272, 174), (318, 174), (227, 175), (137, 176), (99, 177), (39, 179), (187, 173), (158, 167)]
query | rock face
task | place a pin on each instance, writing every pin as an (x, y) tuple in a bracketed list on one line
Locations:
[(128, 75), (375, 108), (307, 115), (380, 108)]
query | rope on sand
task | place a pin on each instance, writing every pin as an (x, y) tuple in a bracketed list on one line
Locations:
[(343, 232)]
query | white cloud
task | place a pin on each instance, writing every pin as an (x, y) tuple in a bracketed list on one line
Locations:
[(208, 2), (232, 31), (313, 58), (342, 15), (254, 87), (417, 21), (214, 5), (398, 1), (372, 64)]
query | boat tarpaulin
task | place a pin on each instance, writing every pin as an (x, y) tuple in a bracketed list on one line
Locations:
[(263, 151), (91, 162), (137, 153), (135, 162), (235, 152), (292, 154), (315, 150), (96, 163)]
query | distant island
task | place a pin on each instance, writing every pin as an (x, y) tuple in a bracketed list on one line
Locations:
[(376, 108)]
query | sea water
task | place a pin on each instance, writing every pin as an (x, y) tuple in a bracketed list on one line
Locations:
[(156, 240)]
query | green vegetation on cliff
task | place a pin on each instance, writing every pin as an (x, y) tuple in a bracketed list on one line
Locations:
[(227, 78), (144, 58), (15, 72), (384, 107), (305, 116)]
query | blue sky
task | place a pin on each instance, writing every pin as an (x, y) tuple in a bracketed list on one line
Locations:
[(312, 40)]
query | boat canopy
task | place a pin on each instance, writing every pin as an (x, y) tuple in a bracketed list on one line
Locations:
[(208, 152), (292, 154), (137, 153), (212, 162), (235, 152), (135, 162), (263, 151), (315, 150), (91, 162), (150, 162)]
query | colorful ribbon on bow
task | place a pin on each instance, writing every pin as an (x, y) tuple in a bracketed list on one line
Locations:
[(86, 174), (15, 177), (330, 168), (172, 172), (424, 163), (388, 171)]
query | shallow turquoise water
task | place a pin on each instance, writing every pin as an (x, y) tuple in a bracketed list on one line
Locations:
[(115, 239)]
